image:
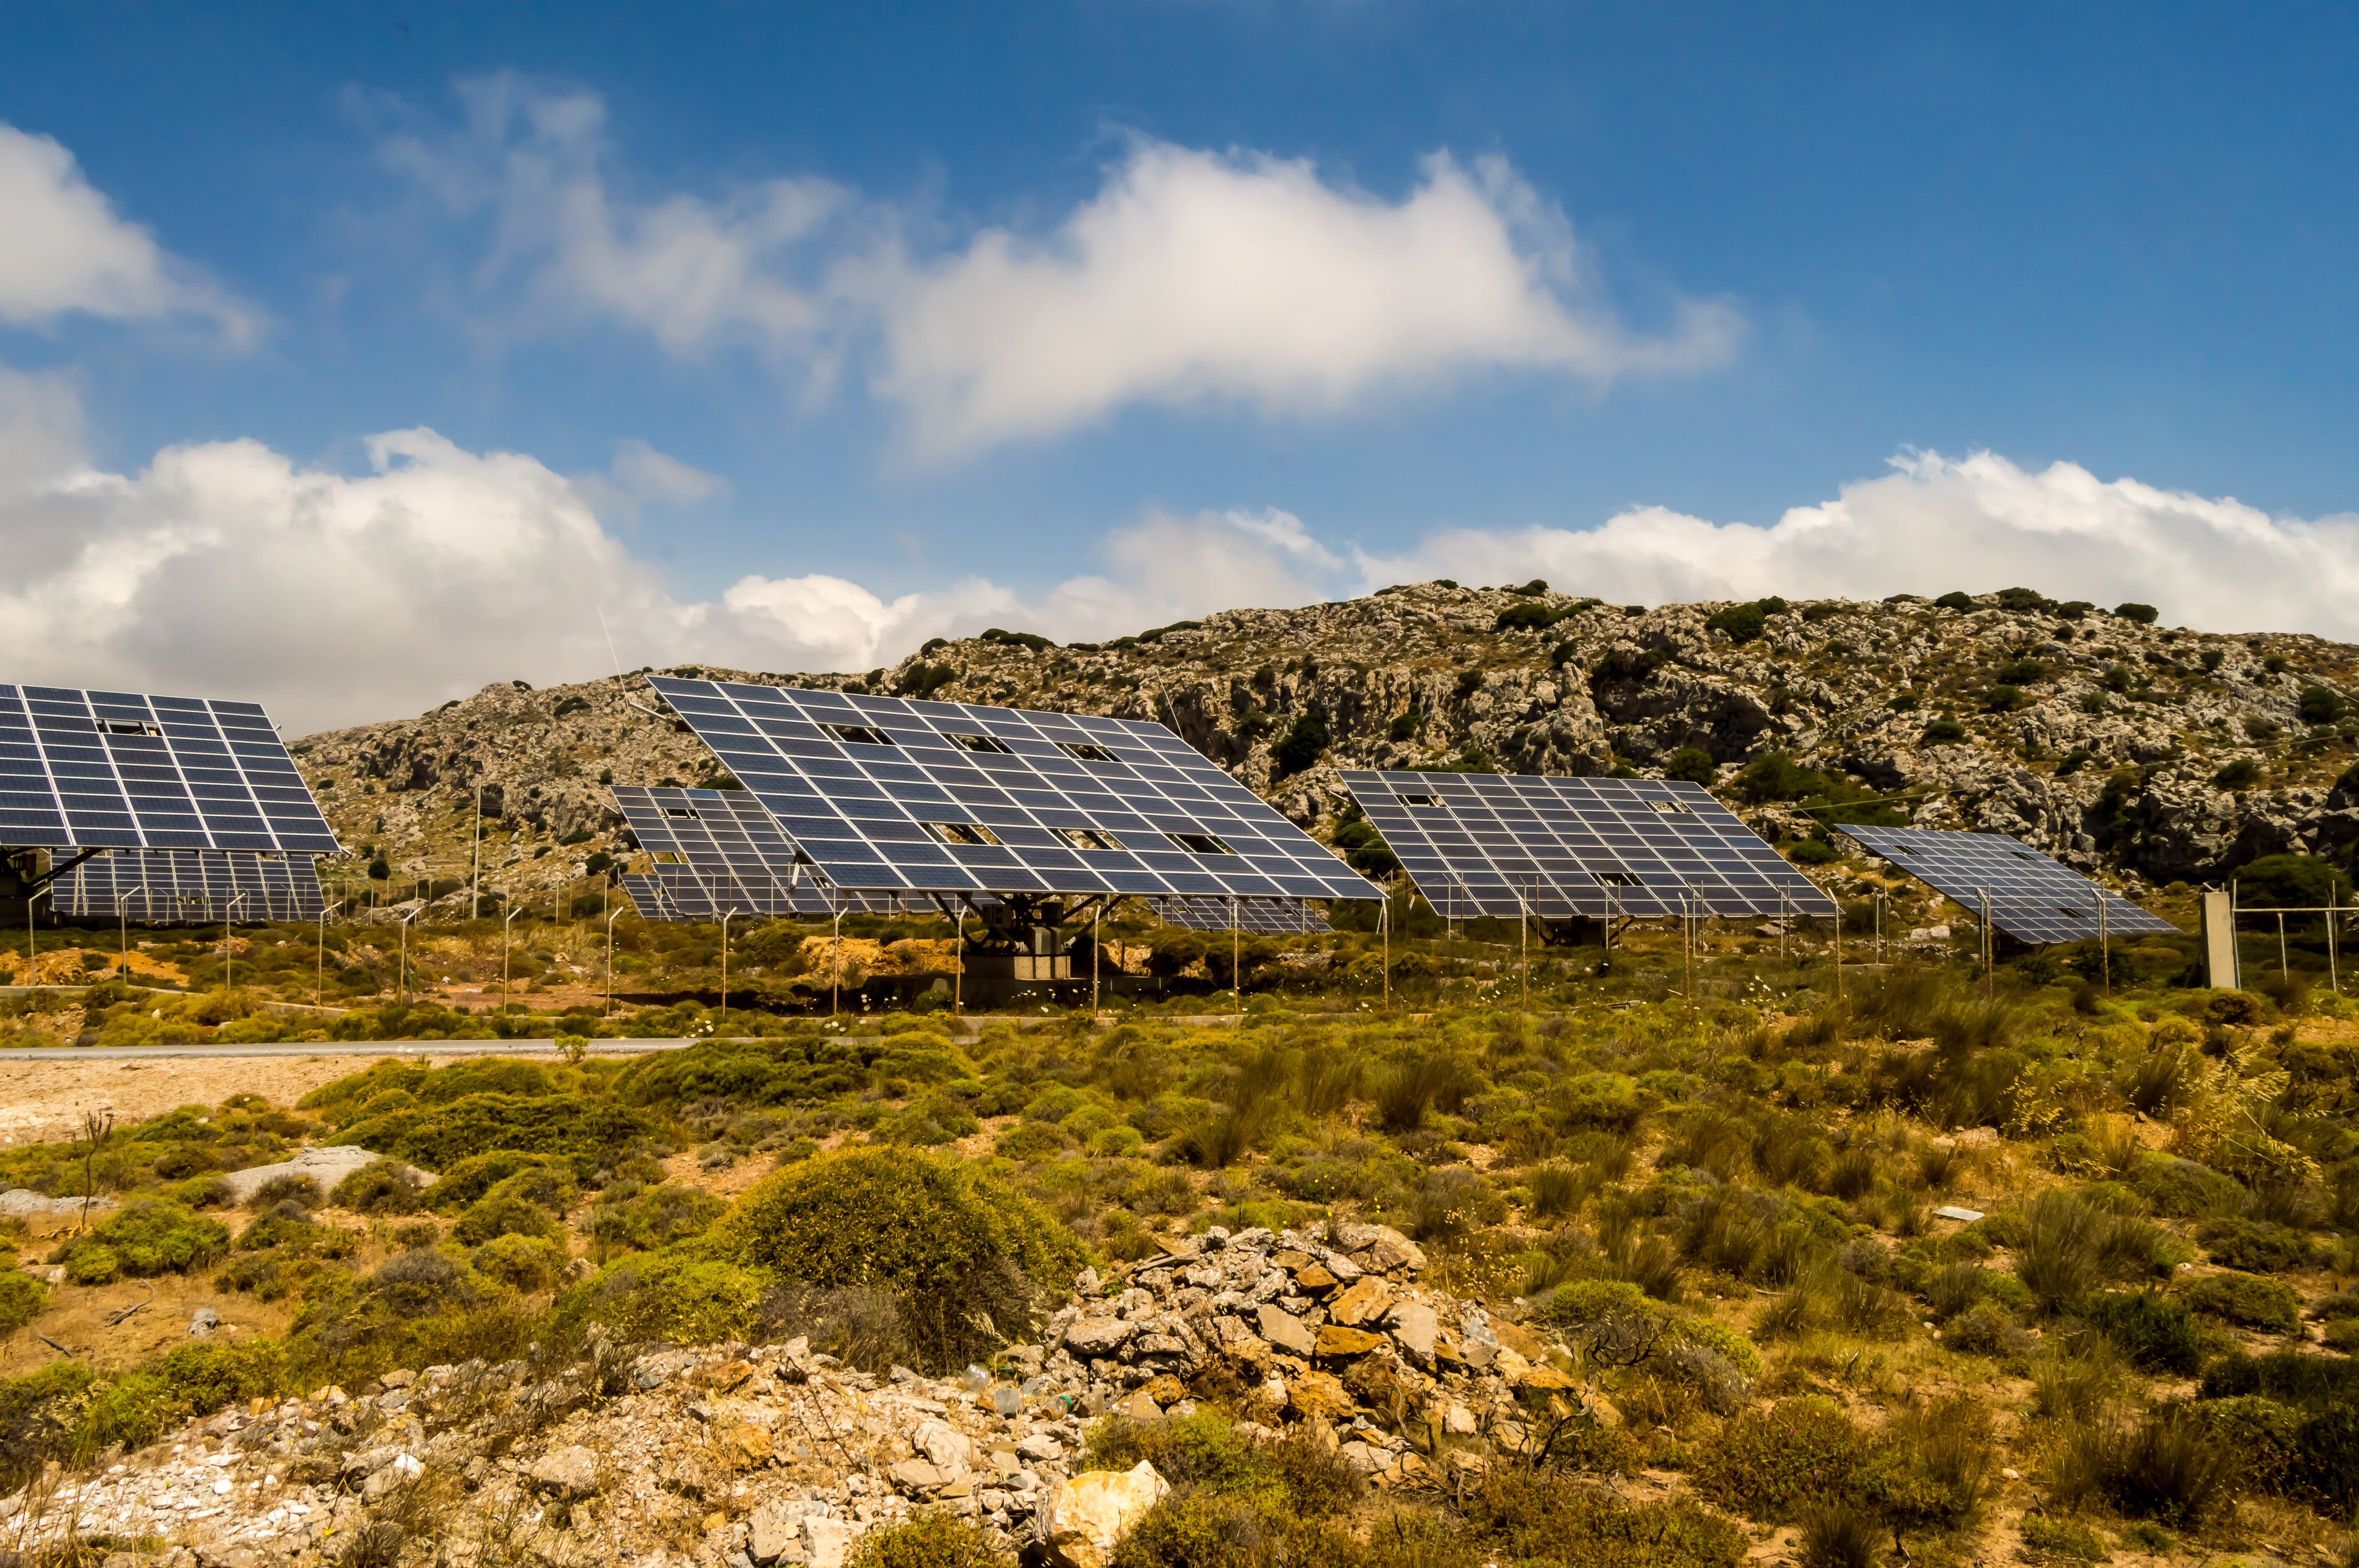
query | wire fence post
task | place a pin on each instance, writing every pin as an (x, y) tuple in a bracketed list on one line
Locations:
[(2104, 943), (1237, 963), (1094, 912), (1385, 935), (2333, 978)]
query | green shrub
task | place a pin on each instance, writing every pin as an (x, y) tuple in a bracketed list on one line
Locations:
[(471, 1178), (930, 1541), (951, 1241), (412, 1309), (2256, 1246), (2150, 1328), (585, 1133), (1742, 622), (2144, 614), (2247, 1299), (1955, 600), (381, 1186), (1942, 732), (1769, 1463), (2063, 1538), (652, 1217), (680, 1293), (22, 1297), (1530, 1515), (193, 1381), (1691, 765), (2182, 1188), (525, 1203), (146, 1237), (529, 1263)]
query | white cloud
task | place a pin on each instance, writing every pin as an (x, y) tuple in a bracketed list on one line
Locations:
[(647, 474), (68, 251), (692, 272), (1192, 276), (1934, 523), (1189, 276), (223, 569)]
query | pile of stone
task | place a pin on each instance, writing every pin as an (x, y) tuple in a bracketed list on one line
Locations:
[(1326, 1324), (730, 1457)]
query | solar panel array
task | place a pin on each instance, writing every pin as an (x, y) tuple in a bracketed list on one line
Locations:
[(686, 892), (183, 887), (884, 793), (116, 769), (2032, 898), (1507, 844), (1264, 916)]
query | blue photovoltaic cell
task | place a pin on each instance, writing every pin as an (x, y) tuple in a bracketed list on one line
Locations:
[(1265, 916), (116, 769), (2031, 897), (186, 887), (1511, 844), (886, 794)]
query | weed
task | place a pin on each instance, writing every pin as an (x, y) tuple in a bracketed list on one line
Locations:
[(2063, 1538), (2167, 1467), (1837, 1535), (1773, 1463), (2150, 1328)]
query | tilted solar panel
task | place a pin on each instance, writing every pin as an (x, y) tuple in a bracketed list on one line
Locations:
[(719, 849), (185, 887), (2032, 898), (1509, 844), (1262, 916), (884, 793), (116, 770)]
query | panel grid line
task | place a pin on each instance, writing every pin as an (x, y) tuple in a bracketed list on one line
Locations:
[(1505, 845), (2033, 898)]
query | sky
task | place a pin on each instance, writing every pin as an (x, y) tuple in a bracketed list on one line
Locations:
[(354, 356)]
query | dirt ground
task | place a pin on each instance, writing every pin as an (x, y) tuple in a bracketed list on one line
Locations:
[(43, 1101)]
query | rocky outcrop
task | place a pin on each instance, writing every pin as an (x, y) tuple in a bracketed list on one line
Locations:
[(2098, 737), (776, 1455)]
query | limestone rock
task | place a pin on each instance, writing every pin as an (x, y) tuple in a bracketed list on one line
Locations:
[(1285, 1330), (1335, 1342), (567, 1472), (1362, 1304), (1081, 1520)]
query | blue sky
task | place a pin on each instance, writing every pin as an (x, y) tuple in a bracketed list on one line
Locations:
[(907, 319)]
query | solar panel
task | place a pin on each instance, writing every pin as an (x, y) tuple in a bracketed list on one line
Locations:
[(883, 793), (2032, 898), (186, 887), (1507, 844), (116, 770), (1265, 916)]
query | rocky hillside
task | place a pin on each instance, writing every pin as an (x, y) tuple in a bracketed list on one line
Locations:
[(2101, 735)]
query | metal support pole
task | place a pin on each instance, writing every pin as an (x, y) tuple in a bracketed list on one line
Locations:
[(320, 979), (229, 947), (1236, 962), (610, 961), (725, 919), (504, 981), (836, 975), (1524, 930), (1839, 996), (1385, 935), (2282, 967), (2333, 978), (1879, 928), (1990, 984), (2104, 942), (1094, 912)]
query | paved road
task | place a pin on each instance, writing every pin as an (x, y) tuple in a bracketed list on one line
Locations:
[(350, 1048)]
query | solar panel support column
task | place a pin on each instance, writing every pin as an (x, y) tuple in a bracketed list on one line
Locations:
[(1093, 961), (2105, 949), (2333, 978), (1990, 981)]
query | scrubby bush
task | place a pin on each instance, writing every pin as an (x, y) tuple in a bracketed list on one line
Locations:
[(145, 1237), (628, 1219), (381, 1186), (582, 1132), (2246, 1299), (2169, 1467), (529, 1263), (22, 1297), (2150, 1328), (530, 1203), (680, 1293), (946, 1239), (930, 1541), (1773, 1463), (2254, 1246)]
